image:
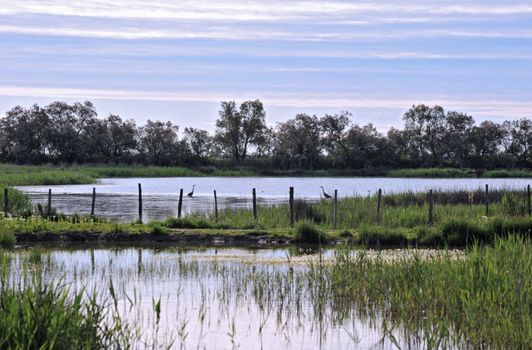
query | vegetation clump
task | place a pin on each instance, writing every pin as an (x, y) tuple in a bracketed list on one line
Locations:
[(306, 232), (39, 315)]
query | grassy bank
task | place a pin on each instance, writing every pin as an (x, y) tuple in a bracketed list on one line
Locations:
[(19, 175), (459, 219)]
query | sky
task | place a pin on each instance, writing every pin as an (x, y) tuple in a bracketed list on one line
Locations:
[(177, 60)]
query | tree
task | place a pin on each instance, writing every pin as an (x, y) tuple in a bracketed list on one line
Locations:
[(398, 147), (298, 141), (456, 137), (23, 135), (199, 142), (519, 141), (158, 141), (334, 132), (486, 140), (238, 129), (71, 131), (424, 127), (121, 138), (366, 147)]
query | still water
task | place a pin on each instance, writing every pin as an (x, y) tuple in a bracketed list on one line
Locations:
[(117, 198), (217, 298)]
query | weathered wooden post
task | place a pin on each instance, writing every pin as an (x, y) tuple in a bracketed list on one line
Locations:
[(335, 207), (6, 202), (215, 207), (49, 207), (254, 205), (291, 203), (93, 265), (431, 208), (486, 199), (180, 204), (139, 260), (140, 203), (93, 201), (379, 195), (528, 200)]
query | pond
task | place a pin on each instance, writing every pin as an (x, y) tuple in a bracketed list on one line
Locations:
[(117, 198), (217, 298)]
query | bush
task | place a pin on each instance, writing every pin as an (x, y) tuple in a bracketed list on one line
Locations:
[(375, 235), (306, 232), (463, 232), (7, 237), (158, 230), (188, 222)]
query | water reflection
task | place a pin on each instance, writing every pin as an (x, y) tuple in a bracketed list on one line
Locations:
[(216, 298)]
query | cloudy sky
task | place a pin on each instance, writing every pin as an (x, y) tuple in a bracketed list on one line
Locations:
[(176, 60)]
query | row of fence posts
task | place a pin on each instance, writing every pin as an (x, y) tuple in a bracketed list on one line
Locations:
[(290, 203)]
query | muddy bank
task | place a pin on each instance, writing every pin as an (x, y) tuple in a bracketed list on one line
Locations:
[(181, 237)]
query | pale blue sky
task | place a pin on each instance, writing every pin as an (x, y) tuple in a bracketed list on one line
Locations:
[(176, 60)]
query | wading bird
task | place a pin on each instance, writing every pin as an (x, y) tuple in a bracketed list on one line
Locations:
[(191, 194), (326, 195)]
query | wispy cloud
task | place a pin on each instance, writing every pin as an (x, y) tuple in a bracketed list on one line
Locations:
[(480, 106), (250, 10), (472, 55)]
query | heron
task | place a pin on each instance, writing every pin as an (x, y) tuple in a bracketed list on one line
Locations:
[(325, 194), (191, 194)]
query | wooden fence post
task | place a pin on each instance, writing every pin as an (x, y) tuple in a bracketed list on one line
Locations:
[(335, 207), (180, 204), (93, 265), (6, 202), (379, 194), (49, 207), (431, 208), (486, 199), (254, 205), (93, 201), (528, 200), (215, 207), (140, 203), (291, 203)]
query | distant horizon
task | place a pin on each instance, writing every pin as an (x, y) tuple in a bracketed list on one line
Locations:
[(177, 61)]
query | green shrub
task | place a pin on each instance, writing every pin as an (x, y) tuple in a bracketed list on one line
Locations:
[(306, 232), (158, 230), (188, 222), (7, 237), (462, 232), (376, 235)]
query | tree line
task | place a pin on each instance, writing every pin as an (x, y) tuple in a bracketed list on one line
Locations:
[(431, 137)]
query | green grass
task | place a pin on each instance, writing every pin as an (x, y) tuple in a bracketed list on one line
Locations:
[(432, 172), (306, 232), (482, 301), (47, 315), (7, 237)]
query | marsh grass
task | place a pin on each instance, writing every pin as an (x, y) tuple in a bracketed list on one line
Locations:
[(306, 232), (21, 175), (46, 315), (481, 301), (479, 298), (7, 238)]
